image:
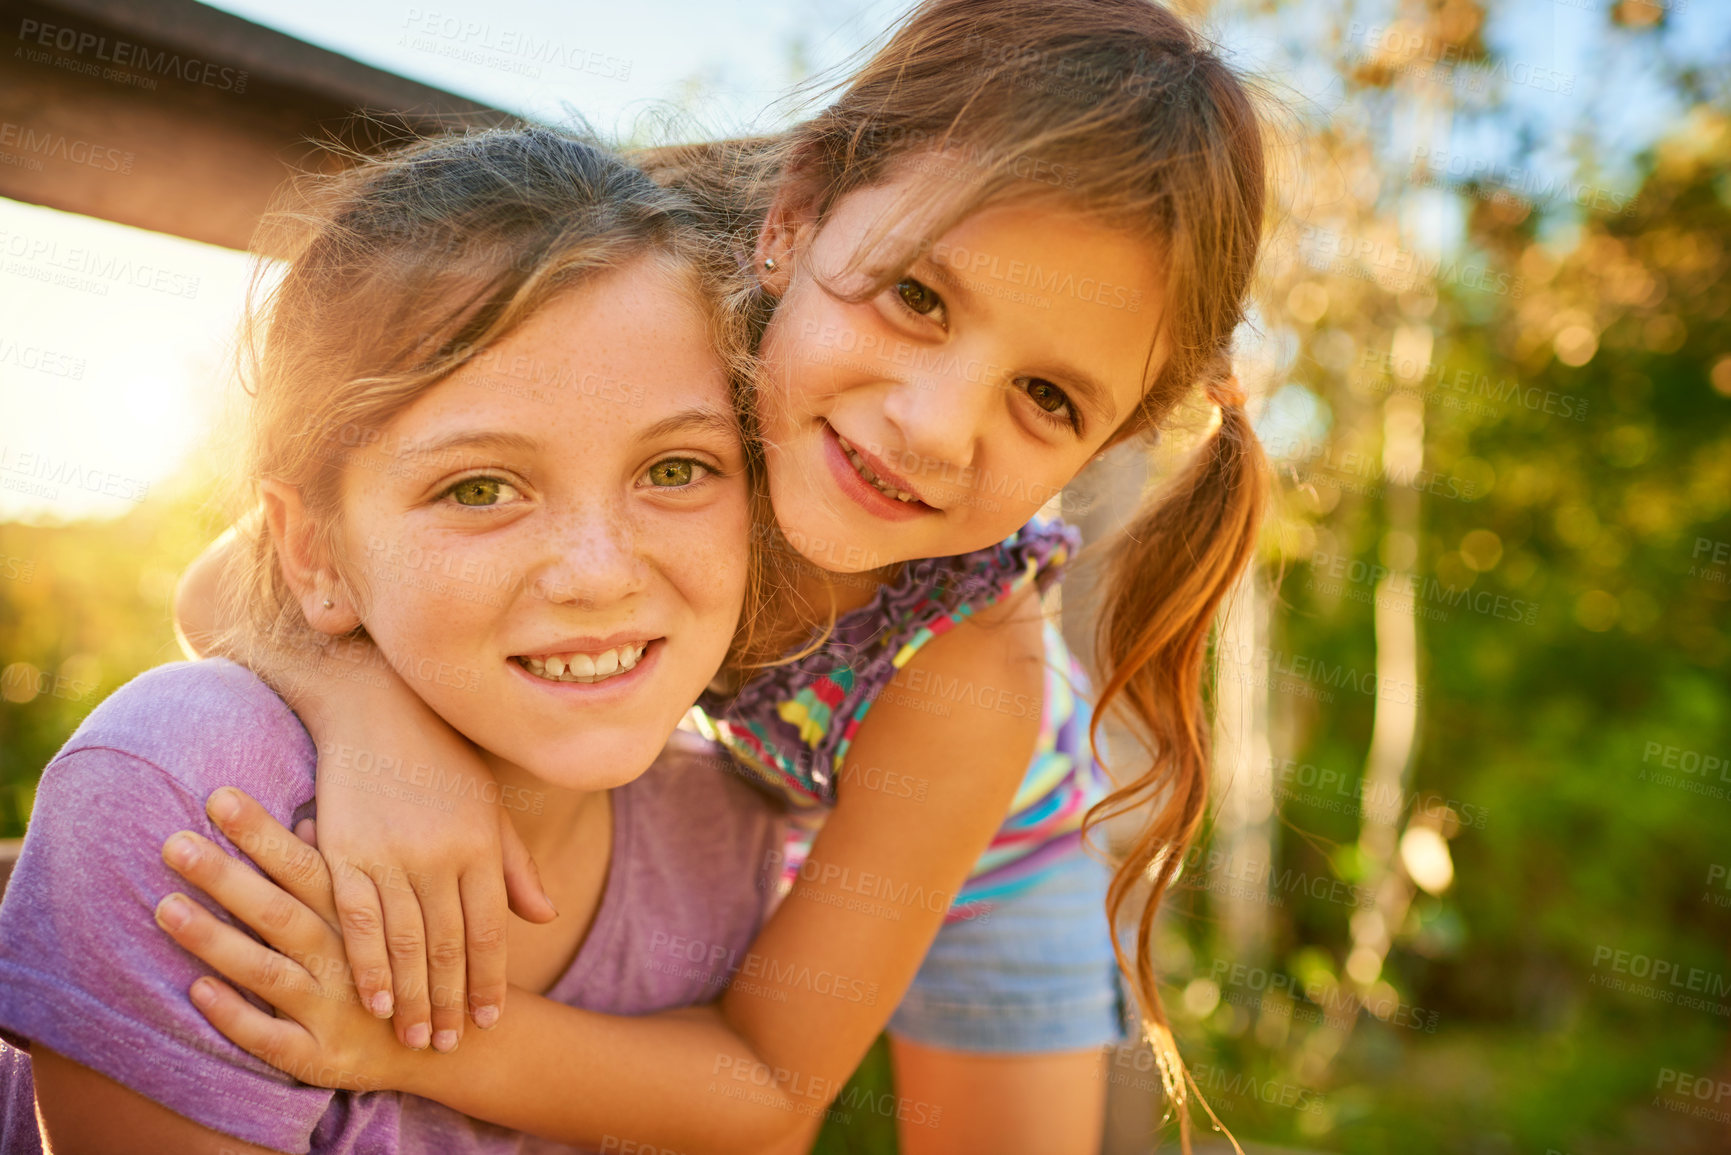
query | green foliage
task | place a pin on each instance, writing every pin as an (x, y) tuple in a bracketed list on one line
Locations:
[(83, 609), (1571, 744), (854, 1130)]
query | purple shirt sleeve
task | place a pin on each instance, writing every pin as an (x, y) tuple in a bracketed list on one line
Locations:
[(84, 969)]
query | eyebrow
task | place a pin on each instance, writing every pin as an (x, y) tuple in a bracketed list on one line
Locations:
[(693, 420), (1085, 385), (480, 439)]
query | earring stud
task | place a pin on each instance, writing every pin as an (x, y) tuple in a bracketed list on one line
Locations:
[(329, 604), (769, 264)]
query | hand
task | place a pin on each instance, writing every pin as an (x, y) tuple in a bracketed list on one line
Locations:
[(424, 858), (325, 1037)]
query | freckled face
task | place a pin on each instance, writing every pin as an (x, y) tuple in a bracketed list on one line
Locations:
[(937, 417), (552, 541)]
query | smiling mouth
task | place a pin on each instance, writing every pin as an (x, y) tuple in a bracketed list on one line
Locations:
[(581, 667), (871, 478)]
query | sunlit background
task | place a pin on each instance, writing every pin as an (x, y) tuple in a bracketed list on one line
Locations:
[(1467, 887)]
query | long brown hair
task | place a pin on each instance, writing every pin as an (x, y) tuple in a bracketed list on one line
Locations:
[(1119, 109), (406, 266)]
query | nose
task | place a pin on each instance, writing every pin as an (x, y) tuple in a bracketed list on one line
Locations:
[(942, 417), (589, 557)]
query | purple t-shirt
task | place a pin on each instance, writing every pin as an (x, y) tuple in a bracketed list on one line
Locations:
[(85, 971)]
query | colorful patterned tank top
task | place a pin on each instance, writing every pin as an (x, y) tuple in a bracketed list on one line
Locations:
[(791, 726)]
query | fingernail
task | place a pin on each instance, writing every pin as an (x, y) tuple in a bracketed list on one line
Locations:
[(203, 993), (381, 1004), (445, 1041), (417, 1036), (487, 1017), (223, 805), (174, 911), (180, 850)]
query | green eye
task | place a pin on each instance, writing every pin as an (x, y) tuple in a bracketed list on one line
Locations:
[(917, 296), (478, 491), (673, 472)]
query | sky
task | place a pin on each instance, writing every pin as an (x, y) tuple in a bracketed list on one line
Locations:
[(110, 386)]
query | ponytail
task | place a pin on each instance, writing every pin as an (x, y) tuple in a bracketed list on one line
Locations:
[(1165, 579)]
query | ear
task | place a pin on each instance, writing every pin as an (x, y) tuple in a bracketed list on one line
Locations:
[(324, 599), (786, 227)]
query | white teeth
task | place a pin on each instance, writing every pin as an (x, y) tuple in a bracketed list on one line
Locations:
[(865, 471), (586, 667)]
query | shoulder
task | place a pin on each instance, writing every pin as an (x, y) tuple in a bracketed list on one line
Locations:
[(990, 668), (84, 971), (202, 725)]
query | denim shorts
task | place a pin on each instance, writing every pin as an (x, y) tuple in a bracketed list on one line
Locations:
[(1034, 974)]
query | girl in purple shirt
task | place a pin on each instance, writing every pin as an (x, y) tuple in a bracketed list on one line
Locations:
[(557, 571)]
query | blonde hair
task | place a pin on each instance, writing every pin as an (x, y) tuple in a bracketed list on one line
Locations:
[(403, 268)]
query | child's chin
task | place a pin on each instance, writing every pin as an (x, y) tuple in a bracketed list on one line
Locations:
[(598, 760)]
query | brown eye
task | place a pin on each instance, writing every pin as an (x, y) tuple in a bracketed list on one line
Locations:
[(917, 296), (672, 472), (1047, 395)]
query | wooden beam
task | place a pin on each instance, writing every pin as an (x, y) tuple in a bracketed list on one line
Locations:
[(184, 119)]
